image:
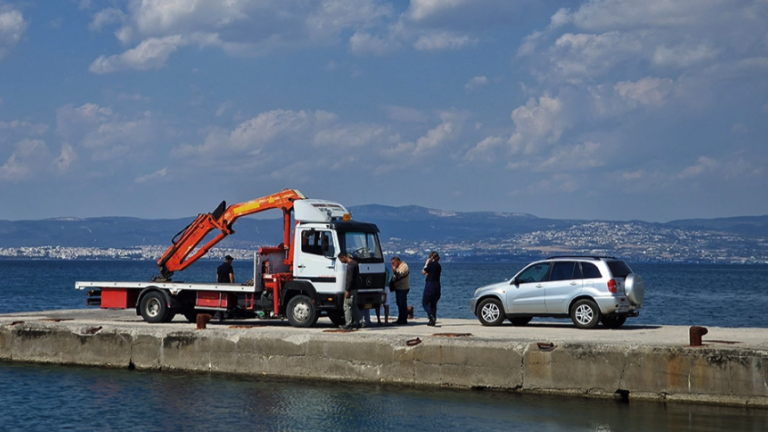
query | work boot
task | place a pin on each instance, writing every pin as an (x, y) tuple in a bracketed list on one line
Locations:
[(432, 321)]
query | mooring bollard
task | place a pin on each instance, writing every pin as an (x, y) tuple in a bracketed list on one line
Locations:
[(410, 312), (696, 332), (202, 320)]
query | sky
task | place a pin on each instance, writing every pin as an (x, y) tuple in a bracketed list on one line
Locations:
[(650, 110)]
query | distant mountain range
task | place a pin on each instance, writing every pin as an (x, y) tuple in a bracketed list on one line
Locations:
[(407, 223)]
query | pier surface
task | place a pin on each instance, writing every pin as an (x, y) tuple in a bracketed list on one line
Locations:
[(633, 362)]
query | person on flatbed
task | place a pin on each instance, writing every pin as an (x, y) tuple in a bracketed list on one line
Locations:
[(225, 273)]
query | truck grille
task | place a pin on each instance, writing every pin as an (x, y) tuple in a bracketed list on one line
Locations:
[(372, 280)]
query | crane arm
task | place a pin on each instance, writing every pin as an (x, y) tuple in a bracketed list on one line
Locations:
[(178, 257)]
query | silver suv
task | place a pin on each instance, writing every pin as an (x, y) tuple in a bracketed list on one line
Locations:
[(588, 289)]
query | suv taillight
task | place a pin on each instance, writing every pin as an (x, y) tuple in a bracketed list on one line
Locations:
[(612, 286)]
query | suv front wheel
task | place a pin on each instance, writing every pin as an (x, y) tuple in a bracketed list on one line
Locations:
[(490, 312), (585, 314)]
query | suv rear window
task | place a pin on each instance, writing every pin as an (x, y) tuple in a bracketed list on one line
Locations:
[(619, 268)]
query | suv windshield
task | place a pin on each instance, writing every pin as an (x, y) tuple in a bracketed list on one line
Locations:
[(364, 247), (619, 268)]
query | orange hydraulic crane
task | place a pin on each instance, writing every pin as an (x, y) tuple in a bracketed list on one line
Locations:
[(177, 257)]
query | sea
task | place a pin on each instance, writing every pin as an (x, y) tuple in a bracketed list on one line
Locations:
[(60, 398)]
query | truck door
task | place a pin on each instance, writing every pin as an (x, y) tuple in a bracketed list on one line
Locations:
[(313, 259)]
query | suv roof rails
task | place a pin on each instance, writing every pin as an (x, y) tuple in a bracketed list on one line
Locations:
[(594, 257)]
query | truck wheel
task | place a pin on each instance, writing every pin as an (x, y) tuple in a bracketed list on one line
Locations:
[(490, 312), (153, 308), (585, 314), (301, 311), (337, 317), (614, 322)]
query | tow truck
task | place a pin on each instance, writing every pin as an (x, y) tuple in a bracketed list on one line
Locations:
[(299, 279)]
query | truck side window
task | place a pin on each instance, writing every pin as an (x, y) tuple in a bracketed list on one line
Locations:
[(316, 242)]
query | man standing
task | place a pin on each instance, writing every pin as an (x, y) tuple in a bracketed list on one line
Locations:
[(401, 284), (351, 312), (225, 273)]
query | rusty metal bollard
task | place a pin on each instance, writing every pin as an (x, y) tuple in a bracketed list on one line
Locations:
[(696, 332), (410, 312), (202, 320)]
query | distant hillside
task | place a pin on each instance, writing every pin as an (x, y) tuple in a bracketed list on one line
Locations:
[(745, 225), (410, 223)]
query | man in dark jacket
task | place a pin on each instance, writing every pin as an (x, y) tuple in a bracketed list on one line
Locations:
[(352, 314)]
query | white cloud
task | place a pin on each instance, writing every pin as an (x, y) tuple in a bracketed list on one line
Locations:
[(29, 158), (703, 165), (537, 123), (241, 27), (356, 135), (66, 158), (12, 28), (279, 129), (443, 40), (581, 156), (647, 91), (150, 54), (476, 82), (106, 17), (421, 9), (364, 43), (435, 138), (485, 150), (106, 135), (153, 176)]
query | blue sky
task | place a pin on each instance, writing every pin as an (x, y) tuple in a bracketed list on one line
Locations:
[(604, 109)]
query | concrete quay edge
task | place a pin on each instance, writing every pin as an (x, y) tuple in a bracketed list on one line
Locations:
[(633, 363)]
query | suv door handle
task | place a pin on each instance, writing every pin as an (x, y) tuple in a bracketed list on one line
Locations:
[(330, 267), (539, 286), (301, 266)]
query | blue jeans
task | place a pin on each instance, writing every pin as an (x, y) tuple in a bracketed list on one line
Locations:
[(401, 298), (430, 298)]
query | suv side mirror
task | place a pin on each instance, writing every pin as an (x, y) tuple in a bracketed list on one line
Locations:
[(515, 281)]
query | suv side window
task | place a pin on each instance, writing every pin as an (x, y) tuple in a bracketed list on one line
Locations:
[(562, 270), (534, 273), (590, 271)]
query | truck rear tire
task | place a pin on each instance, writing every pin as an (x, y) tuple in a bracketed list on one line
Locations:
[(301, 312), (153, 307)]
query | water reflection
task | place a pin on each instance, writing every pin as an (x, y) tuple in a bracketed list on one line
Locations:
[(68, 398)]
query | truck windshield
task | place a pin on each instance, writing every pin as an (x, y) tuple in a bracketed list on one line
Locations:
[(364, 247)]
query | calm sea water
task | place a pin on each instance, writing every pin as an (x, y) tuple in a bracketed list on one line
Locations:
[(44, 398)]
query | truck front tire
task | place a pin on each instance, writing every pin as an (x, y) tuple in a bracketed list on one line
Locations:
[(301, 312)]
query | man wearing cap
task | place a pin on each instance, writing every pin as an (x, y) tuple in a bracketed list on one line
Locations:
[(225, 273)]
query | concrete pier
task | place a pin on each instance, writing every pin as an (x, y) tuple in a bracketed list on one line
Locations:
[(632, 363)]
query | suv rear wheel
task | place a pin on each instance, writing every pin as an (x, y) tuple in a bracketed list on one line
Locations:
[(585, 314), (490, 312)]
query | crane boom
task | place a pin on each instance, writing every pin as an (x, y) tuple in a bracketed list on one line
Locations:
[(178, 257)]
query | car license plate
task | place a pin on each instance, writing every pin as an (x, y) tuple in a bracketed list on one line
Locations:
[(623, 309)]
